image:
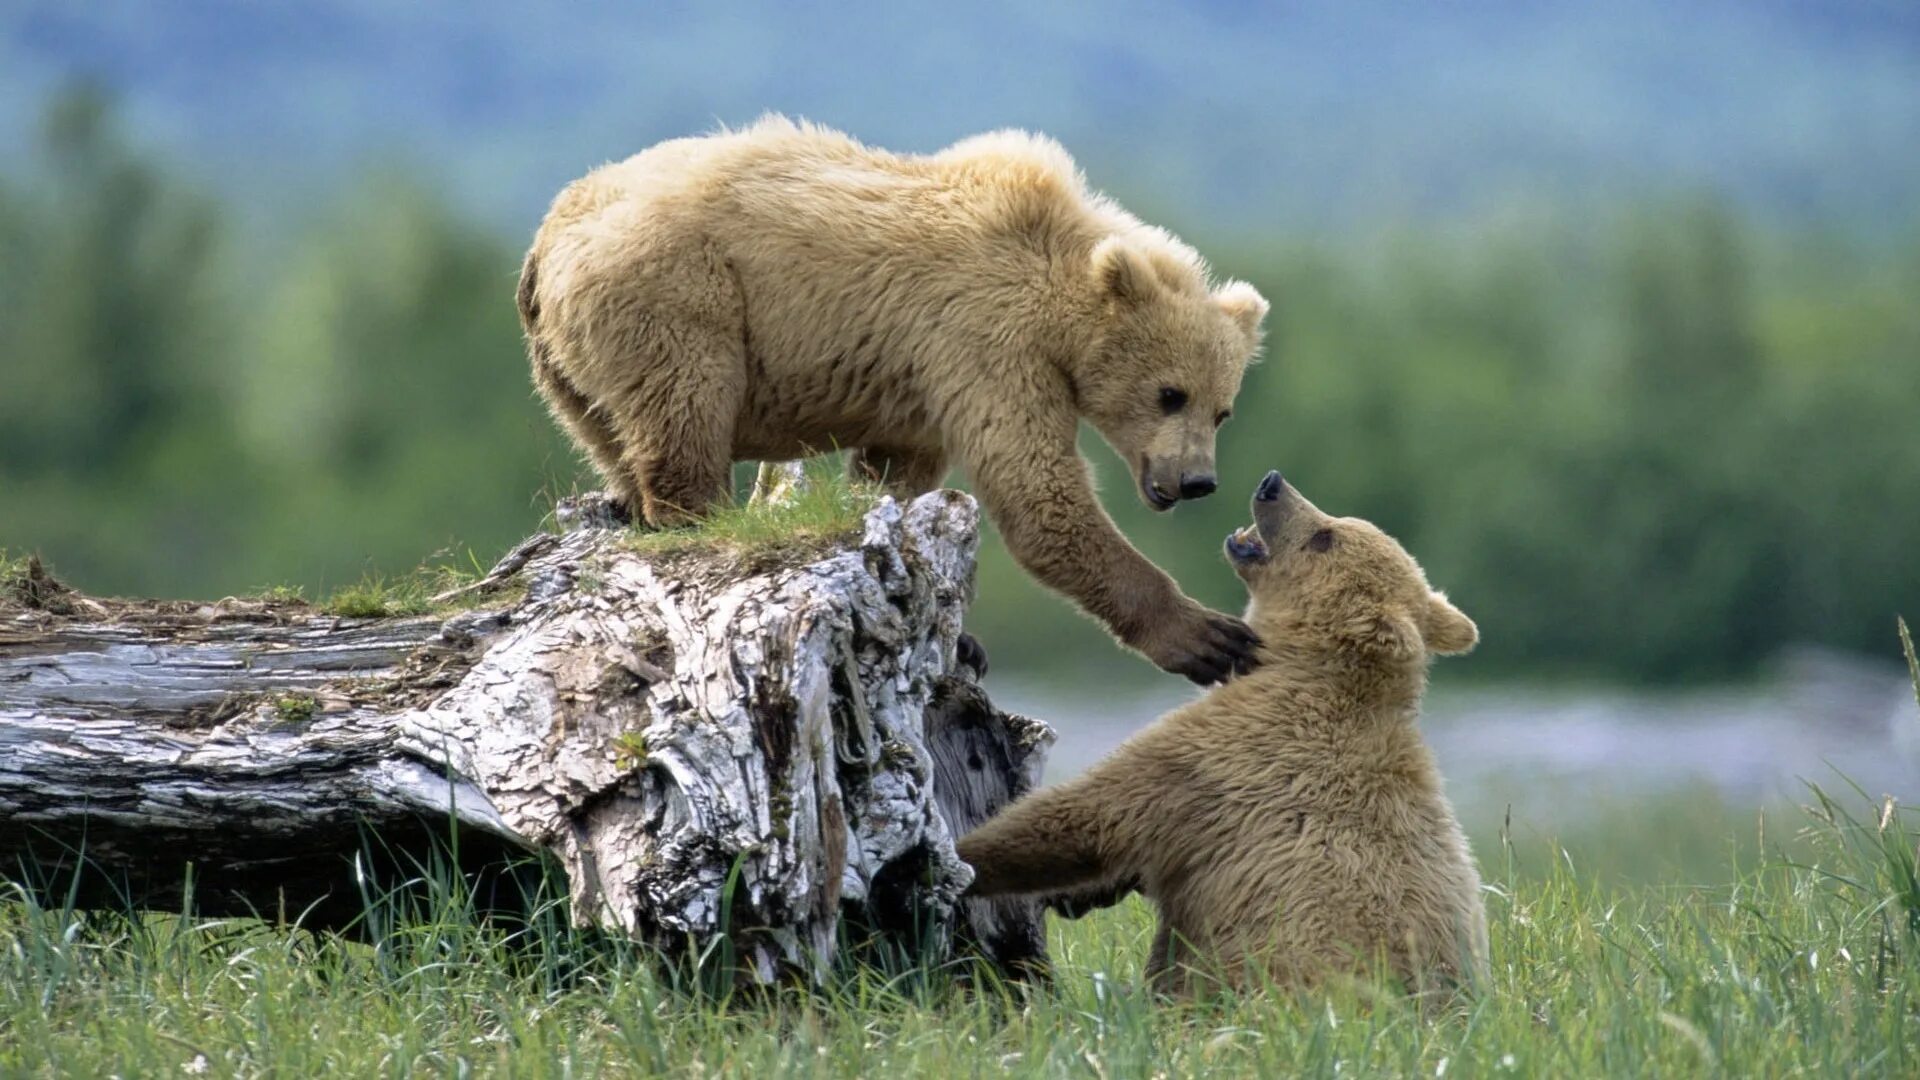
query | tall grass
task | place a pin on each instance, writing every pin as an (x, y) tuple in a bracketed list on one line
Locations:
[(1801, 960), (1799, 953)]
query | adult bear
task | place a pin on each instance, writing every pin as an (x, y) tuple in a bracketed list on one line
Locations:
[(770, 293)]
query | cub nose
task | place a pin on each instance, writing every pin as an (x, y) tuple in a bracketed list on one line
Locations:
[(1197, 487)]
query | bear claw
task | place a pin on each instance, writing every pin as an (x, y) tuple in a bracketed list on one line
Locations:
[(968, 652), (1226, 650)]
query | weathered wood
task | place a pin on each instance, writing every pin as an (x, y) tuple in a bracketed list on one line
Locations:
[(783, 738), (983, 760)]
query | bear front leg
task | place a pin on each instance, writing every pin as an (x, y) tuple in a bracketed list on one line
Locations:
[(904, 473), (1045, 842), (1074, 903), (1043, 503)]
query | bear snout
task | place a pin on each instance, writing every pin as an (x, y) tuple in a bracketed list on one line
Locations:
[(1270, 487), (1156, 496), (1197, 486)]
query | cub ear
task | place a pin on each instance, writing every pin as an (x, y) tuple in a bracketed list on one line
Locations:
[(1449, 631), (1123, 271), (1244, 305), (1385, 633)]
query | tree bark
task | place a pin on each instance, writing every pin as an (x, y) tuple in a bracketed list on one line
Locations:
[(706, 742)]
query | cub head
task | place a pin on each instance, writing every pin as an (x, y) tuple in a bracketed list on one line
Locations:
[(1340, 581), (1167, 361)]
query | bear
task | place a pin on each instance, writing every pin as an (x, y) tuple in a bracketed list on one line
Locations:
[(1290, 825), (772, 292)]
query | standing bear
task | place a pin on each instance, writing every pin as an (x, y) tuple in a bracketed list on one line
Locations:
[(774, 292), (1291, 824)]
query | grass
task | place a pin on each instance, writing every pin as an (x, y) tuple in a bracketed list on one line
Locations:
[(295, 709), (25, 581), (827, 509), (1688, 833), (1913, 661), (1623, 946), (377, 596), (1801, 960), (11, 566)]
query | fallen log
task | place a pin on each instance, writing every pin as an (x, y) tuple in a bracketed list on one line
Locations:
[(705, 741)]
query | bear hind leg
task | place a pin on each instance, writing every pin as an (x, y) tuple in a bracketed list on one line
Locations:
[(1161, 974), (1168, 971), (674, 425), (683, 469), (589, 430)]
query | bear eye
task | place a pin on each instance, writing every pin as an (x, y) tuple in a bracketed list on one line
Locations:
[(1222, 418), (1172, 400), (1321, 541)]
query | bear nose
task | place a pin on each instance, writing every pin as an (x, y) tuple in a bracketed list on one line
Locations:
[(1197, 487), (1270, 487)]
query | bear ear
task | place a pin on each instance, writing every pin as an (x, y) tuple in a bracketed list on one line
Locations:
[(1244, 305), (1123, 271), (1385, 633), (1449, 631)]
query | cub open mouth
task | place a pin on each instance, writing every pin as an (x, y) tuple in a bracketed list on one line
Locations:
[(1245, 545)]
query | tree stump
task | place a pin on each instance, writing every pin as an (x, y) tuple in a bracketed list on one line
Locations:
[(780, 739)]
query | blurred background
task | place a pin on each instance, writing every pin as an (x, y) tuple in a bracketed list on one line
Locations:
[(1611, 312)]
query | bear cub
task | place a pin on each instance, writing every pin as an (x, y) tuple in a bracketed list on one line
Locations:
[(1291, 824), (782, 290)]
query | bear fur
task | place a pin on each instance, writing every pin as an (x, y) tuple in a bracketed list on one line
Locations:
[(782, 290), (1291, 824)]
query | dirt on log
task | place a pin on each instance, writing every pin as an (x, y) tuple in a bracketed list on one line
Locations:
[(785, 743)]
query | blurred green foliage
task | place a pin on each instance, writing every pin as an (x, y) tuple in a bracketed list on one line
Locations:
[(185, 410), (1660, 444)]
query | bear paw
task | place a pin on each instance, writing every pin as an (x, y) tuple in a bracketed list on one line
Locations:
[(970, 653), (1204, 645)]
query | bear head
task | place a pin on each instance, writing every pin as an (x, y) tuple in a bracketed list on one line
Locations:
[(1340, 582), (1167, 361)]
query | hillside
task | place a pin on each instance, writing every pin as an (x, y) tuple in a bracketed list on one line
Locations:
[(1223, 115)]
